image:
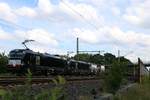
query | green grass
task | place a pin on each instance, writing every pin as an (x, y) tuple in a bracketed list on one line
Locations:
[(26, 92), (138, 92)]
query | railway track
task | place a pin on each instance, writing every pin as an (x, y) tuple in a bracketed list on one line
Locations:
[(12, 80)]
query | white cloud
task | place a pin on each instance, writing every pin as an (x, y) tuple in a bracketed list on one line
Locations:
[(45, 6), (42, 36), (97, 3), (7, 13), (115, 10), (138, 13), (111, 35), (142, 53), (85, 35), (44, 41), (4, 35), (26, 11), (45, 10), (39, 35), (90, 36), (130, 37), (82, 12)]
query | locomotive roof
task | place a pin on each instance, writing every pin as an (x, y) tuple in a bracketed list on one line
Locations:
[(22, 50), (16, 50), (32, 52), (53, 56)]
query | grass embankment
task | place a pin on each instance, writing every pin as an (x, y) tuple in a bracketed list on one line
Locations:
[(26, 92), (138, 92)]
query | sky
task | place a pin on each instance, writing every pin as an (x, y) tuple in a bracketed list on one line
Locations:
[(108, 25)]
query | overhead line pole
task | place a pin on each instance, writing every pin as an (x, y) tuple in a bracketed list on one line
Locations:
[(119, 56), (77, 48), (78, 51), (77, 45)]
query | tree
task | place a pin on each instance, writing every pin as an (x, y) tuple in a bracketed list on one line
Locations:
[(109, 58), (97, 59), (3, 62), (124, 60), (83, 57)]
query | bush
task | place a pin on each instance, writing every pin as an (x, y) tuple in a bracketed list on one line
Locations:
[(3, 63), (115, 77)]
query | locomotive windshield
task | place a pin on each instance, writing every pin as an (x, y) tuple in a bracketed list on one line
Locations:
[(16, 54), (14, 62)]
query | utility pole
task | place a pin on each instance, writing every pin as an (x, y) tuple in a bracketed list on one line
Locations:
[(77, 48), (119, 56), (77, 45), (78, 51)]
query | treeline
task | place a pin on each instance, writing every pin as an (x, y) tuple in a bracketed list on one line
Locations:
[(105, 59)]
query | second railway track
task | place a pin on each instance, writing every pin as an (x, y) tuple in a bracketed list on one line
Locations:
[(6, 81)]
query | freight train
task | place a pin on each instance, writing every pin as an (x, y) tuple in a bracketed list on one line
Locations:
[(42, 63)]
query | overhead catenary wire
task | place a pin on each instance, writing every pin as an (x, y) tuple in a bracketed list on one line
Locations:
[(14, 25), (88, 22), (81, 15)]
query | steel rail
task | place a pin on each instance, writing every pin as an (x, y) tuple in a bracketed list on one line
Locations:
[(5, 81)]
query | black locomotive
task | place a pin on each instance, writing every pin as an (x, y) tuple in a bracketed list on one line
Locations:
[(22, 59)]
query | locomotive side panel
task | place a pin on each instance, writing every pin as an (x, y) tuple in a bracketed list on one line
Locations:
[(84, 68)]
